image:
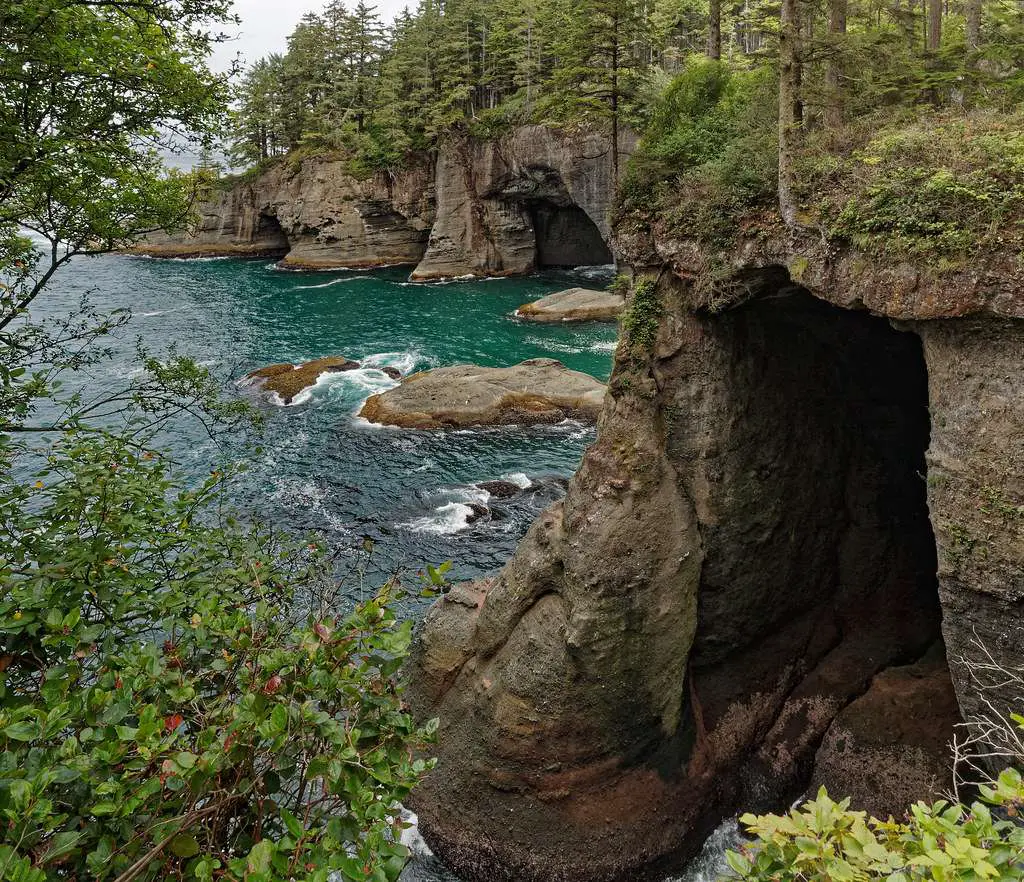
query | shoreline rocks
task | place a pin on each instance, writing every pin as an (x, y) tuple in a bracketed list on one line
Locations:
[(574, 305), (537, 391), (286, 380)]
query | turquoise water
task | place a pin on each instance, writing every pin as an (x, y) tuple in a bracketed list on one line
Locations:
[(314, 465)]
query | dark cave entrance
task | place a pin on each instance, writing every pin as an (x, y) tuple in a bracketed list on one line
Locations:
[(271, 236), (566, 237), (827, 479), (820, 564)]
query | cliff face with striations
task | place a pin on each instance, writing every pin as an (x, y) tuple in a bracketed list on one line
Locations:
[(313, 215), (792, 500), (534, 198)]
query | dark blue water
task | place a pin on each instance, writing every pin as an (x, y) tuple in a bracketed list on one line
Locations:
[(314, 465)]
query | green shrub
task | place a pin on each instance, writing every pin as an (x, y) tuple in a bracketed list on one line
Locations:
[(823, 841), (941, 187), (708, 154), (640, 320), (180, 698)]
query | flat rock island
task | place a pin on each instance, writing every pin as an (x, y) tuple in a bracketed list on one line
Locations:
[(574, 305), (536, 391)]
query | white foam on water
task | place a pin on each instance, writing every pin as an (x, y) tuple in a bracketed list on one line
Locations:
[(555, 345), (710, 865), (411, 837), (310, 497), (604, 346), (364, 382), (157, 312), (599, 271), (333, 282), (445, 520), (519, 479), (452, 510), (405, 362)]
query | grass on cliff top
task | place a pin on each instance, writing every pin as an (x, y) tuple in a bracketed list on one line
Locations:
[(937, 187)]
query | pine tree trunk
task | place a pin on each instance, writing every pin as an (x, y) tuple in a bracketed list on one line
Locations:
[(973, 24), (615, 102), (833, 74), (715, 29), (790, 107), (934, 24)]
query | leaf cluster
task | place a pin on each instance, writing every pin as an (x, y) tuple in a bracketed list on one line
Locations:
[(823, 840), (167, 708)]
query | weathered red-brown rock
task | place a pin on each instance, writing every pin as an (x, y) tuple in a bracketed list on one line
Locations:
[(891, 747), (788, 498), (287, 380)]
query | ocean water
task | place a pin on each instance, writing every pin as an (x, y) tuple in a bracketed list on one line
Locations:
[(313, 465)]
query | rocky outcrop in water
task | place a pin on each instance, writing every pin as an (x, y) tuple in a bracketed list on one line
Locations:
[(790, 500), (540, 390), (536, 197), (287, 380), (574, 305)]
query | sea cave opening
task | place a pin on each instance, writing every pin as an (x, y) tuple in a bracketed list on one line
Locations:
[(820, 558), (270, 233), (567, 237)]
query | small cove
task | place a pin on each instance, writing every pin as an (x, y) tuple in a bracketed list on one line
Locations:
[(314, 466)]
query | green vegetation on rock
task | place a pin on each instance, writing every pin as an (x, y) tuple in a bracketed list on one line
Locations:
[(824, 841)]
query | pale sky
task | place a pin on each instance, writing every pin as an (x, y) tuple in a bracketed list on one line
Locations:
[(266, 25)]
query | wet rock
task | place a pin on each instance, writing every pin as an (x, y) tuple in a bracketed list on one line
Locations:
[(288, 380), (501, 489), (748, 548), (392, 372), (574, 305), (891, 747), (477, 512), (539, 390)]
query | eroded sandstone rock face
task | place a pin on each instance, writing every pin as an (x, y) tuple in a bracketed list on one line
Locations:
[(314, 215), (534, 198), (747, 549), (537, 197), (536, 391)]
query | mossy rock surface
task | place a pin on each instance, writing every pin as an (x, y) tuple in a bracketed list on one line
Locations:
[(287, 380)]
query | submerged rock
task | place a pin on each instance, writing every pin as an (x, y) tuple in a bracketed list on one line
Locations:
[(574, 305), (477, 512), (540, 390), (288, 380)]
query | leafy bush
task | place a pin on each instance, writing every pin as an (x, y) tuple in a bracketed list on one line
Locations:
[(709, 153), (178, 699), (945, 187), (823, 840)]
